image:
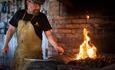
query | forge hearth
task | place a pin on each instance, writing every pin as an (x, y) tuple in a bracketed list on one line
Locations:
[(100, 63)]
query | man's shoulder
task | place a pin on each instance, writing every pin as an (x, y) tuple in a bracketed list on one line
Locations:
[(42, 14), (21, 11)]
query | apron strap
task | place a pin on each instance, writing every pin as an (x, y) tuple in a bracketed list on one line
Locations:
[(30, 19), (24, 15)]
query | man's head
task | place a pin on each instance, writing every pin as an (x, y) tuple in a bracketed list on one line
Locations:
[(40, 2), (33, 6)]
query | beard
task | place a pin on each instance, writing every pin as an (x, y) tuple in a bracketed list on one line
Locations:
[(36, 12)]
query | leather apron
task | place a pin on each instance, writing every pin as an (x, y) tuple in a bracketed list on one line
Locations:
[(29, 45)]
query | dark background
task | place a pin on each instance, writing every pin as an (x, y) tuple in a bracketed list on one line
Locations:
[(105, 41)]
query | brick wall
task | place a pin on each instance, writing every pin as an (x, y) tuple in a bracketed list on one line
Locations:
[(67, 27)]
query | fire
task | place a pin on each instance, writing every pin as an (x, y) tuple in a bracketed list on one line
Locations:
[(87, 49)]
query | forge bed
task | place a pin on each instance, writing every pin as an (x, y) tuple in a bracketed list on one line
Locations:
[(101, 63)]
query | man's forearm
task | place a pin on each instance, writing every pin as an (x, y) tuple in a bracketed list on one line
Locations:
[(9, 34), (52, 40), (8, 37)]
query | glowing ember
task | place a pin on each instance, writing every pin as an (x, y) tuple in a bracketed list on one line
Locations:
[(87, 49)]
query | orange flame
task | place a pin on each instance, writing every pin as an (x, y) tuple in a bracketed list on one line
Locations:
[(87, 49)]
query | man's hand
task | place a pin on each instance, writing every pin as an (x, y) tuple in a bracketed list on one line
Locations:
[(60, 50), (5, 50)]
